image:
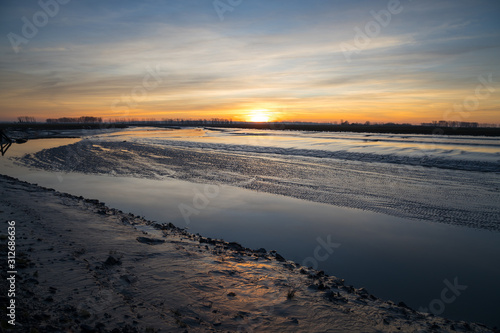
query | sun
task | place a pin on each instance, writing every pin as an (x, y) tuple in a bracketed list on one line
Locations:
[(259, 116)]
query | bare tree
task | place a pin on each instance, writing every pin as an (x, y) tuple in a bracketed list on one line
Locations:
[(26, 119)]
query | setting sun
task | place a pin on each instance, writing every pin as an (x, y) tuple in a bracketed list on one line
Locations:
[(259, 116)]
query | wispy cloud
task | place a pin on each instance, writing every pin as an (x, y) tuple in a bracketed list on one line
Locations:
[(271, 53)]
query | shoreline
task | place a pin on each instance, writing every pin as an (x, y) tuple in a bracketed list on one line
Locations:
[(278, 126), (99, 269), (255, 170)]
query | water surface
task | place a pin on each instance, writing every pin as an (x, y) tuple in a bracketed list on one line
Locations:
[(394, 258)]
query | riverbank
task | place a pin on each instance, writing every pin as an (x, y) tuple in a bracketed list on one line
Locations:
[(86, 267), (435, 130)]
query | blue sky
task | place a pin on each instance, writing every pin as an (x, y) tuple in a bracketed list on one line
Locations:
[(283, 58)]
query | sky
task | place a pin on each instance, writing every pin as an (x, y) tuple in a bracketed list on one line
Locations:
[(407, 61)]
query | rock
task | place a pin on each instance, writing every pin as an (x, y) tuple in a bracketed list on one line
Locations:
[(129, 278), (236, 247), (335, 297), (211, 241), (403, 305), (92, 201), (150, 241), (280, 258), (362, 291), (349, 289), (111, 261)]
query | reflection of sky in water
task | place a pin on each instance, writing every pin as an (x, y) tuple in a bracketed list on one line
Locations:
[(18, 150), (393, 258), (470, 148)]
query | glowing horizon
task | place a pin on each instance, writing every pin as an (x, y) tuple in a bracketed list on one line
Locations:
[(378, 61)]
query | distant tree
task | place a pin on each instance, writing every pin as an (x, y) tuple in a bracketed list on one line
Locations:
[(83, 120), (26, 119)]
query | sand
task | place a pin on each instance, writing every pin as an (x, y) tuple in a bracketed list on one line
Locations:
[(85, 267)]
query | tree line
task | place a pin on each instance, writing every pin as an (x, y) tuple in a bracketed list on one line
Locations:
[(79, 120), (26, 119)]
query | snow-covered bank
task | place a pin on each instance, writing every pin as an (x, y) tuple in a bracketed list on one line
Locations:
[(84, 266)]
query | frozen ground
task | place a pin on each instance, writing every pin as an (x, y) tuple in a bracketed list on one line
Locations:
[(452, 180), (86, 267)]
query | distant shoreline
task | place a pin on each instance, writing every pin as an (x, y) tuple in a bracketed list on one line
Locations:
[(355, 128)]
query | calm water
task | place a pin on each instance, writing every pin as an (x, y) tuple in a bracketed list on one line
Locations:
[(394, 258)]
